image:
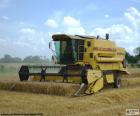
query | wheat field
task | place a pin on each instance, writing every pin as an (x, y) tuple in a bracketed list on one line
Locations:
[(55, 99), (107, 103)]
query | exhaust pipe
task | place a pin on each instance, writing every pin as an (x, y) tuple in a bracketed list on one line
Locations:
[(107, 36)]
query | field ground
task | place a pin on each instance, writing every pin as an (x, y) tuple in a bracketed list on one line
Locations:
[(108, 102)]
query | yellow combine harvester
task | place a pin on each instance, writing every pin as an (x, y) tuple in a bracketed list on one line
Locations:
[(87, 60)]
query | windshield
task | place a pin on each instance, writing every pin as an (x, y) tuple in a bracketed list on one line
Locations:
[(66, 51)]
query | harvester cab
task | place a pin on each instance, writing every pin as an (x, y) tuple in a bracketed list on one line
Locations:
[(69, 49), (87, 60)]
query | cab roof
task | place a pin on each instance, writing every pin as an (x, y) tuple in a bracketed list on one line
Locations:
[(57, 37)]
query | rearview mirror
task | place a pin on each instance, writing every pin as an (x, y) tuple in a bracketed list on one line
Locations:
[(50, 45)]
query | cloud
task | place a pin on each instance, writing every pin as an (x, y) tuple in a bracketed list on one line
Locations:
[(27, 31), (72, 26), (70, 21), (32, 37), (67, 24), (2, 41), (117, 29), (5, 17), (51, 23), (133, 16), (75, 30), (33, 42), (126, 35), (106, 16)]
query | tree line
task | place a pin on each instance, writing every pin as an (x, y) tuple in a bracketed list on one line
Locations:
[(29, 59), (131, 59)]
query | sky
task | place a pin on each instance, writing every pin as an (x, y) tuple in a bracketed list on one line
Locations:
[(26, 26)]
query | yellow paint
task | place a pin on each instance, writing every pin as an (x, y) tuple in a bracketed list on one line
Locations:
[(95, 86), (93, 75), (106, 54), (110, 78), (95, 81)]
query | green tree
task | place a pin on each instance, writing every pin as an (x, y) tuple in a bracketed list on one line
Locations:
[(7, 59), (32, 59), (16, 60), (137, 51), (130, 58), (137, 54)]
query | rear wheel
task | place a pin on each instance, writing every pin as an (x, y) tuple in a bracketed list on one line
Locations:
[(117, 81)]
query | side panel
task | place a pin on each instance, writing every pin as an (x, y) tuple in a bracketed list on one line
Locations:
[(110, 66), (93, 75), (103, 54)]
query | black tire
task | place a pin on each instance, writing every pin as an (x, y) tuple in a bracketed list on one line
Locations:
[(24, 73), (117, 82)]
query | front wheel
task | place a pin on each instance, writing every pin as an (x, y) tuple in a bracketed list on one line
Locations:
[(117, 82)]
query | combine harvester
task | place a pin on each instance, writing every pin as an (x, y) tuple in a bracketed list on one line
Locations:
[(90, 61)]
